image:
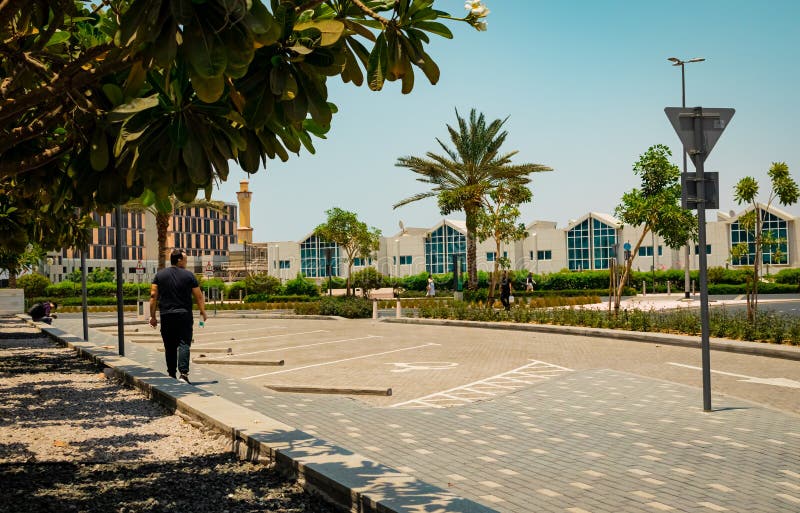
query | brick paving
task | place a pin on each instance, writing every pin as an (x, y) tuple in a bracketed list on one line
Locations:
[(591, 440)]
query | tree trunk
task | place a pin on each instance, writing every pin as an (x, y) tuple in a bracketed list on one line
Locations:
[(349, 274), (472, 270), (12, 279), (162, 227), (628, 264), (495, 271)]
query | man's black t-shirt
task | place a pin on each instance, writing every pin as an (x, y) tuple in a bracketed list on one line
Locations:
[(175, 290)]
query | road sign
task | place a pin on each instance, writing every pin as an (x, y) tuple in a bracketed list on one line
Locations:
[(711, 191), (139, 267), (714, 122)]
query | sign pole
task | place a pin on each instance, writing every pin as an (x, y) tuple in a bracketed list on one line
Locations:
[(699, 131), (699, 157)]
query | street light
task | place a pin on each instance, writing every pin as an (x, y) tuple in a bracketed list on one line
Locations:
[(684, 200)]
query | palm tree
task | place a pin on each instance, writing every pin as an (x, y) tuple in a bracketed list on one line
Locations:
[(468, 173), (163, 210)]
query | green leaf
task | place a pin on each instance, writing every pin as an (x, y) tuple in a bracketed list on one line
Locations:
[(205, 51), (208, 89), (57, 38), (331, 30), (134, 106), (178, 131), (377, 62), (113, 93), (434, 27), (196, 162)]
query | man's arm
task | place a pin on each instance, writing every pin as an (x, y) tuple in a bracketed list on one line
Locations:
[(153, 303), (201, 302)]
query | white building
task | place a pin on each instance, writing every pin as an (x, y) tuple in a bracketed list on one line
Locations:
[(590, 242)]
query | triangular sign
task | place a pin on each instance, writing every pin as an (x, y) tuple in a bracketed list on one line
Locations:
[(713, 123)]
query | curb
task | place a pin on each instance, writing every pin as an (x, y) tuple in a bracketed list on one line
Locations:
[(717, 344), (346, 479)]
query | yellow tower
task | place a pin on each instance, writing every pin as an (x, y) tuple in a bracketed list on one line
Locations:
[(245, 231)]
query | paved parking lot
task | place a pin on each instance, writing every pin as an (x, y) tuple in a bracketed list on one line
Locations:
[(522, 421)]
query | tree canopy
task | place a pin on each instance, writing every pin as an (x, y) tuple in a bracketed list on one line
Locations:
[(655, 205), (101, 103), (353, 237), (783, 188)]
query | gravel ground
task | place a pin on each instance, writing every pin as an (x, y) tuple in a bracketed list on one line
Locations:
[(72, 440)]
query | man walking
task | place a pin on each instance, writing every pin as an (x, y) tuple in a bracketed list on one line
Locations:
[(172, 289)]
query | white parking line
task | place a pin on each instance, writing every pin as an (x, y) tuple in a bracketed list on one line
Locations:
[(342, 360), (778, 382), (534, 372), (207, 331), (261, 338), (305, 345)]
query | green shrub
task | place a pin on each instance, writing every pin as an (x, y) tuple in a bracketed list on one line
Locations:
[(309, 308), (369, 279), (346, 306), (266, 298), (234, 288), (101, 275), (263, 283), (788, 277), (33, 284), (301, 286)]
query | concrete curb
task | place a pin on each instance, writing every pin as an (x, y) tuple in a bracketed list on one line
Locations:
[(717, 344), (346, 479)]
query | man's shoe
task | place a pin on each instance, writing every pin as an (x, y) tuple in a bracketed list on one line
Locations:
[(173, 375), (185, 378)]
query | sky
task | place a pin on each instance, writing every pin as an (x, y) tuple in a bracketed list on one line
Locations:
[(584, 84)]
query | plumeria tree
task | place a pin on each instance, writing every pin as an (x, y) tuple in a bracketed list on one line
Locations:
[(785, 190), (102, 103), (499, 220)]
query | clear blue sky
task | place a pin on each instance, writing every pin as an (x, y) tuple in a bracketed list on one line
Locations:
[(585, 83)]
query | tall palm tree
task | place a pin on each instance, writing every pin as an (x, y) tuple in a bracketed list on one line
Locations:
[(468, 173)]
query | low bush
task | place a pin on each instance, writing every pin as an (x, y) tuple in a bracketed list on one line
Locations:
[(344, 306), (266, 298), (33, 284), (301, 286), (769, 327), (788, 277)]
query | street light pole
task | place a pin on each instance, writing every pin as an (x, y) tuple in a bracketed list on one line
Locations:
[(684, 199)]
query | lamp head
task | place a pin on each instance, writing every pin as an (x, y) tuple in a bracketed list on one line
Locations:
[(697, 59), (675, 61)]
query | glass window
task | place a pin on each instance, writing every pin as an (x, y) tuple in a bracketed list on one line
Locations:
[(404, 260), (645, 251), (697, 249), (590, 245), (490, 256), (544, 254), (312, 257), (440, 246), (773, 225)]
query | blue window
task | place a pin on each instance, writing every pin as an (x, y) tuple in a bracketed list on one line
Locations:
[(697, 249), (440, 246), (405, 259), (590, 245), (544, 254), (490, 256), (773, 225), (312, 257)]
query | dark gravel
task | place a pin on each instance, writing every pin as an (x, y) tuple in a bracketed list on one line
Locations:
[(73, 441)]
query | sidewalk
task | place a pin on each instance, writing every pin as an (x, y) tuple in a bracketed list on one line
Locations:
[(597, 441)]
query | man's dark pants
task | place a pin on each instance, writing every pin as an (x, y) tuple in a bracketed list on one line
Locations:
[(176, 332)]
